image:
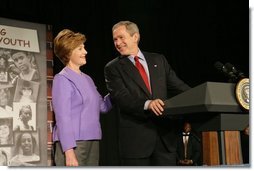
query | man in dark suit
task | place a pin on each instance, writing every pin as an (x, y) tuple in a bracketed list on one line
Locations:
[(188, 147), (245, 144), (146, 136)]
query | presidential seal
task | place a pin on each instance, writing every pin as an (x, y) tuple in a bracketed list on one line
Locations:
[(242, 92)]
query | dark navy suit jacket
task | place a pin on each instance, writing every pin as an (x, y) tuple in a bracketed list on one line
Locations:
[(139, 128)]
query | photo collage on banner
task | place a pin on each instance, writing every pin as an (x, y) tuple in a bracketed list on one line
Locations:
[(23, 100)]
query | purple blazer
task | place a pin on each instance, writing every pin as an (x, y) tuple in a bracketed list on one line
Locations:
[(77, 106)]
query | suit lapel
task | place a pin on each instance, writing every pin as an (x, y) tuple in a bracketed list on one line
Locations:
[(133, 73), (152, 67)]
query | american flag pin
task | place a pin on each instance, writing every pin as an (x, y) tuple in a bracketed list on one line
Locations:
[(155, 65)]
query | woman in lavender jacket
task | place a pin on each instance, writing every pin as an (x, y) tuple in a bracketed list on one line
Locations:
[(77, 105)]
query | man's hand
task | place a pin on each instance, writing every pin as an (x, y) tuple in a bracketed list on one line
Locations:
[(185, 162), (189, 162), (156, 106)]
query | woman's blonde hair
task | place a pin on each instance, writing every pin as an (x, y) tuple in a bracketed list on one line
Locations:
[(65, 42)]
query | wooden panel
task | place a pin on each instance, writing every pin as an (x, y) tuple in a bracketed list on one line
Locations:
[(50, 119), (210, 148), (232, 147)]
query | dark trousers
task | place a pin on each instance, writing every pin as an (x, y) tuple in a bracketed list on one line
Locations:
[(87, 153), (160, 157)]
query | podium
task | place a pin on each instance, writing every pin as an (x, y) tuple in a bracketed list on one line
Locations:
[(213, 105)]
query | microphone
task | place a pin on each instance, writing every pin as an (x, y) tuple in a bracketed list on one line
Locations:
[(232, 68), (226, 71)]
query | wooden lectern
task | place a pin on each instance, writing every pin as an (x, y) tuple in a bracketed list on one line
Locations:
[(220, 119)]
